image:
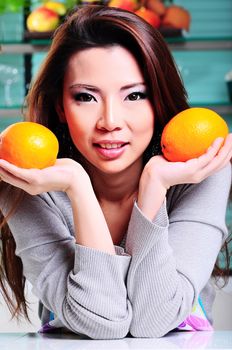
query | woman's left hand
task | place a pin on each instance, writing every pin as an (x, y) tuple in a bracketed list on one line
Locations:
[(159, 174), (194, 170)]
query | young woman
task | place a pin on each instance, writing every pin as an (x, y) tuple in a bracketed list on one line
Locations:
[(114, 239)]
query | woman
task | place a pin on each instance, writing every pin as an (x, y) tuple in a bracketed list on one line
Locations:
[(114, 239)]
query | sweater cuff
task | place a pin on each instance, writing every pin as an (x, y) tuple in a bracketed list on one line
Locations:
[(144, 233), (98, 282), (88, 258)]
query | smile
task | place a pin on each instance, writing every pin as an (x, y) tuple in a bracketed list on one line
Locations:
[(110, 145), (110, 151)]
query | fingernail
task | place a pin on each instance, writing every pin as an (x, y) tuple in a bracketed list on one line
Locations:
[(219, 140)]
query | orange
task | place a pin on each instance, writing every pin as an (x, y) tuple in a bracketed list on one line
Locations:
[(28, 145), (190, 133)]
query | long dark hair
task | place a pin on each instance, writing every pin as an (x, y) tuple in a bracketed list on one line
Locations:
[(100, 26), (84, 28)]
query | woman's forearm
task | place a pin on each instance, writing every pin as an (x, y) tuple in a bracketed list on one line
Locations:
[(91, 229), (150, 197)]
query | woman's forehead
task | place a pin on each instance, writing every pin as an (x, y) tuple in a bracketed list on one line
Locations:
[(113, 62)]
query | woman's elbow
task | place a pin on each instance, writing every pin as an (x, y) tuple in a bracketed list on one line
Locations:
[(104, 333), (99, 328), (148, 331)]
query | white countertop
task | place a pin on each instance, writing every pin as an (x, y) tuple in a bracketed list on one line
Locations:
[(175, 340)]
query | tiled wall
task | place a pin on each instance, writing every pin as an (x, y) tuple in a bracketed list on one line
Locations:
[(203, 73), (210, 18), (12, 88), (11, 27)]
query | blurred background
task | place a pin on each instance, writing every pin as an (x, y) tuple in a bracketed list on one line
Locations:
[(199, 35)]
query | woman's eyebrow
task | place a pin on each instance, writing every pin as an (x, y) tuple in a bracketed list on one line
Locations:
[(128, 86), (85, 86), (95, 89)]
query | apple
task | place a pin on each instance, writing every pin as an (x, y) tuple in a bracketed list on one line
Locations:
[(156, 6), (149, 16), (129, 5), (177, 17), (42, 19), (58, 7)]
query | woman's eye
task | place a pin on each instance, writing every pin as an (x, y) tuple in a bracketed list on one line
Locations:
[(84, 97), (134, 96)]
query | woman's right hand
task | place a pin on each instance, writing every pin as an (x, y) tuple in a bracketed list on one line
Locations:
[(68, 176), (62, 176)]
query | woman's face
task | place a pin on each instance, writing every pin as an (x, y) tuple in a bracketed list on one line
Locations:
[(105, 104)]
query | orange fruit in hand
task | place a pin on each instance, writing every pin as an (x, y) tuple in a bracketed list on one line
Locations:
[(29, 145), (190, 133)]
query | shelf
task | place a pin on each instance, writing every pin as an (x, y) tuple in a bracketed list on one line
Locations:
[(30, 48), (23, 48), (10, 112), (37, 43), (201, 45)]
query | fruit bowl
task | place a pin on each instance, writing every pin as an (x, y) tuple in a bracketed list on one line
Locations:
[(38, 35), (171, 32), (166, 31), (44, 19)]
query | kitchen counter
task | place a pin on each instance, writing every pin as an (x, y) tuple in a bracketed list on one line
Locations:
[(174, 340)]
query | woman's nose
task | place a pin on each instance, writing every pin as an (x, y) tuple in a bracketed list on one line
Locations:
[(110, 117)]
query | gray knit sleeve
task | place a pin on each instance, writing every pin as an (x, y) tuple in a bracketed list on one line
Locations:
[(173, 256), (83, 287)]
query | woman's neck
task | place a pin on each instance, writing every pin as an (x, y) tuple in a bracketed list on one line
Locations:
[(118, 188)]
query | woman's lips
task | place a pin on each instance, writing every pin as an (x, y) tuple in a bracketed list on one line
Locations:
[(111, 151)]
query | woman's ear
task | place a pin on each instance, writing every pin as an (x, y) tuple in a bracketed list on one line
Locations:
[(60, 112)]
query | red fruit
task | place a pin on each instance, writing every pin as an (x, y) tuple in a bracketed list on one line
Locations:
[(156, 6), (129, 5), (42, 19), (177, 17), (149, 16)]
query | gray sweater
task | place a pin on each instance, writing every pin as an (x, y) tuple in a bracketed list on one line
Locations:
[(149, 287)]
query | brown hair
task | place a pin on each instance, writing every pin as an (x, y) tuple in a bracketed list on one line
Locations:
[(11, 268), (84, 28)]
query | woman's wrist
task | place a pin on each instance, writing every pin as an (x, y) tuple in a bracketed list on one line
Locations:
[(80, 184), (150, 198)]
